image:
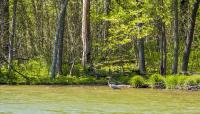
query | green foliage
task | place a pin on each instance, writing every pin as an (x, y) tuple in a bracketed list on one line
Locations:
[(157, 81), (175, 82), (137, 81), (171, 82), (34, 68), (192, 81), (124, 79), (125, 22), (83, 80), (198, 80), (181, 81)]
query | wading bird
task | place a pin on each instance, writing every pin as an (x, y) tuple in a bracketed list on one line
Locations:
[(114, 86)]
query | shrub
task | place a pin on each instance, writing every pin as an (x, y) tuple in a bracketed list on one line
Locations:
[(197, 78), (175, 82), (190, 82), (157, 81), (124, 79), (137, 81), (171, 82), (181, 81)]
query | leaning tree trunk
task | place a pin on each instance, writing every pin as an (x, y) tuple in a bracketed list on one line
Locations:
[(59, 30), (190, 37), (86, 57), (12, 36), (176, 38), (140, 45), (60, 44)]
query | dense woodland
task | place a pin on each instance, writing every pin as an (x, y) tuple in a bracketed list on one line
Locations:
[(48, 39)]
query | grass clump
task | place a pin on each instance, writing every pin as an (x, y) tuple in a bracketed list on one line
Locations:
[(137, 81), (171, 82), (157, 81), (175, 82), (190, 82), (181, 81)]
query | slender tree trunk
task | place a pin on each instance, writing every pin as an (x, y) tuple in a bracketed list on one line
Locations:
[(184, 7), (190, 37), (163, 49), (106, 25), (176, 38), (59, 30), (106, 12), (162, 41), (1, 21), (60, 45), (140, 44), (5, 26), (12, 36), (86, 57), (164, 72)]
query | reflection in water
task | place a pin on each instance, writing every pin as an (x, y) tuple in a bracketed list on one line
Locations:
[(95, 100)]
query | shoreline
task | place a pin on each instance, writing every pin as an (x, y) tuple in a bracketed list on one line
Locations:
[(96, 85)]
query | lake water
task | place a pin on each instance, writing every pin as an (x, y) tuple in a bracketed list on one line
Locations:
[(96, 100)]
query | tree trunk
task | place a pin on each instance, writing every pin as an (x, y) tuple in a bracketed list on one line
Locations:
[(190, 37), (164, 71), (1, 21), (163, 49), (86, 57), (176, 38), (106, 12), (60, 44), (4, 38), (140, 44), (184, 7), (58, 40), (162, 41), (106, 25), (12, 36)]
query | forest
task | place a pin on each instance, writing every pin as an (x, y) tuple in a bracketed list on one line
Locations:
[(87, 41)]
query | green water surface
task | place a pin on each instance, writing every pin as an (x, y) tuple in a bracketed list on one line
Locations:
[(96, 100)]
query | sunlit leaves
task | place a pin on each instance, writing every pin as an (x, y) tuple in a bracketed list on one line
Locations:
[(125, 18)]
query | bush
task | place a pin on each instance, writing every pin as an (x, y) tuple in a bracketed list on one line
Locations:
[(157, 81), (175, 82), (124, 79), (192, 81), (197, 79), (181, 81), (171, 82), (137, 81)]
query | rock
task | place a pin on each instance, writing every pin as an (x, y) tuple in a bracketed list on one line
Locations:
[(193, 88)]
